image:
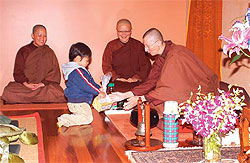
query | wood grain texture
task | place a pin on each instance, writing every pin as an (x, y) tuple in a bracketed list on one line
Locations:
[(98, 142)]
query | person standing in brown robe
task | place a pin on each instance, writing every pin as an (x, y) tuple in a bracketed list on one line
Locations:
[(175, 74), (125, 58), (36, 73)]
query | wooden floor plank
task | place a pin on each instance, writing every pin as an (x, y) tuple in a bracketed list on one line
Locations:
[(98, 142)]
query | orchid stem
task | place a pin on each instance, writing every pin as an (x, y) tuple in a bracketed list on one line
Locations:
[(245, 53)]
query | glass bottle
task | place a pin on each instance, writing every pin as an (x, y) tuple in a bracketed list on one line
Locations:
[(110, 88)]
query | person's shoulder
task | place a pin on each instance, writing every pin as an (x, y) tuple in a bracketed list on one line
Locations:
[(113, 42), (181, 53), (136, 41), (136, 45), (83, 70), (47, 47), (178, 49), (28, 46)]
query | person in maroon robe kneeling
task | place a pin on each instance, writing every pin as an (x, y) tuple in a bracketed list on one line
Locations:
[(125, 58), (176, 73), (36, 73)]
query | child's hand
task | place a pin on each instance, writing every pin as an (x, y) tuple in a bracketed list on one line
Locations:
[(101, 89), (102, 94)]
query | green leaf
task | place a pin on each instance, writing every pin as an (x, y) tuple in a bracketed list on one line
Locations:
[(236, 58)]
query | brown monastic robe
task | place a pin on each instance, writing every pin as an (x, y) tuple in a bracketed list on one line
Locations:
[(125, 61), (180, 74), (40, 65)]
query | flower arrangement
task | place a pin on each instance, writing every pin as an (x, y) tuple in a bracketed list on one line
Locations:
[(240, 39), (211, 115)]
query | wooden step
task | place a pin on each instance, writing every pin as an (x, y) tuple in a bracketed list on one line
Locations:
[(33, 106)]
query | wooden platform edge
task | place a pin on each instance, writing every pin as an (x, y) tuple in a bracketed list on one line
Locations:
[(39, 106)]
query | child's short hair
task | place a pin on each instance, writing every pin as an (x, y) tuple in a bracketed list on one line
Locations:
[(79, 49)]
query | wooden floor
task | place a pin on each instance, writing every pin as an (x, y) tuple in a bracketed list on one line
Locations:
[(98, 142)]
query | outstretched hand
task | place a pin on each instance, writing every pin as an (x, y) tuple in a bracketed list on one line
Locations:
[(117, 96), (129, 80), (132, 101), (102, 93)]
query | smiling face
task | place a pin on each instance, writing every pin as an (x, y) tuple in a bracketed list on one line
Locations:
[(39, 37), (124, 31)]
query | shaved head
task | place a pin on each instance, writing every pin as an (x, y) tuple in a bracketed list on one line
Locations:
[(124, 30), (153, 41), (153, 34), (124, 22), (36, 27)]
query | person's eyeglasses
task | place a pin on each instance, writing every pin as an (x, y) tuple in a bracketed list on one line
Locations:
[(123, 31), (148, 47)]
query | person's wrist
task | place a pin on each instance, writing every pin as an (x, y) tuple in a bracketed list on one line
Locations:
[(25, 83), (128, 94)]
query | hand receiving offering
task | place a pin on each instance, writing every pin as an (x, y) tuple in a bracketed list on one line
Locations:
[(132, 101), (117, 96)]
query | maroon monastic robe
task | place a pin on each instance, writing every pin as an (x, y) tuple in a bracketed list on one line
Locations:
[(174, 75), (125, 61), (39, 65)]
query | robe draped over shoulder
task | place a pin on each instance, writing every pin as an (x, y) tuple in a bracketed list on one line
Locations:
[(182, 72), (41, 65)]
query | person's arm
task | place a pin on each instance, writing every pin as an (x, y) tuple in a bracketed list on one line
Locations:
[(54, 73), (107, 62), (152, 79), (18, 74), (179, 76), (45, 82), (85, 83), (132, 102), (143, 64), (118, 96)]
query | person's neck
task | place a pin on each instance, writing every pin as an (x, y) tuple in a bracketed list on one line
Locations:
[(123, 43), (36, 45)]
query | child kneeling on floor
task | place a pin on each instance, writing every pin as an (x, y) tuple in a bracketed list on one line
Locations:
[(81, 87)]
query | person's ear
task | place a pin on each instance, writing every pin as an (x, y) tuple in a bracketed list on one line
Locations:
[(78, 58), (32, 36), (159, 43)]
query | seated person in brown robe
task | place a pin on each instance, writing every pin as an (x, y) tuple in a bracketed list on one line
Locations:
[(36, 73), (125, 58), (176, 73)]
